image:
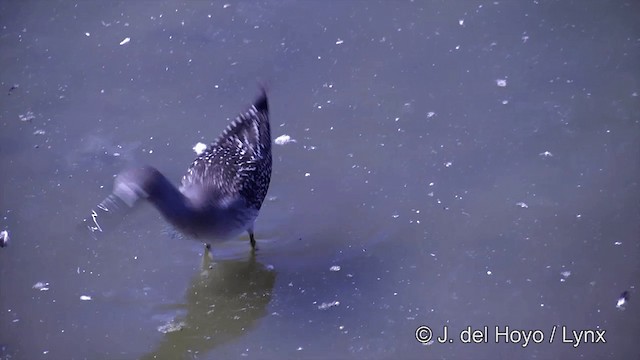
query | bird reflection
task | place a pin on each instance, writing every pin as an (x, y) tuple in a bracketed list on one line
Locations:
[(223, 303)]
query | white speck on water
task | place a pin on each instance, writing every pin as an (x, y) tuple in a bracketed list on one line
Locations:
[(448, 164), (307, 174), (505, 102), (565, 274), (299, 348), (622, 300), (199, 148), (489, 272), (395, 216), (339, 42), (42, 286), (226, 6), (85, 298), (125, 41), (283, 139), (617, 243), (578, 216), (524, 38), (4, 238), (27, 117), (335, 268), (522, 205), (39, 132), (87, 34), (45, 352), (546, 154), (461, 22), (501, 82), (430, 114), (325, 306)]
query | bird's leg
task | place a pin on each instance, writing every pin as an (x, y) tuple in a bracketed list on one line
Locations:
[(252, 239), (207, 257)]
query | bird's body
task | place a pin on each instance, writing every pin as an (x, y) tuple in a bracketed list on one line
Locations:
[(221, 194)]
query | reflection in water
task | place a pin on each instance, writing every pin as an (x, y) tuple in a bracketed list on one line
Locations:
[(223, 303)]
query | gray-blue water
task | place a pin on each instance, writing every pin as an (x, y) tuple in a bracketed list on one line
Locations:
[(462, 163)]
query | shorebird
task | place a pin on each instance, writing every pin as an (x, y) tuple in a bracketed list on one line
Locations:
[(221, 194)]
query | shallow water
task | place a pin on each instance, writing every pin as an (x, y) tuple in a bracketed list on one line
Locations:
[(444, 197)]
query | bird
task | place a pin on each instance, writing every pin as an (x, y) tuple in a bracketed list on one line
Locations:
[(221, 194)]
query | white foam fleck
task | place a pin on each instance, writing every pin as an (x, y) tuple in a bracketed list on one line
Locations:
[(199, 148), (42, 286), (283, 139), (325, 306)]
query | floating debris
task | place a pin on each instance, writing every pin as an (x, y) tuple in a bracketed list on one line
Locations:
[(461, 22), (325, 306), (42, 286), (307, 174), (4, 238), (171, 327), (335, 268), (522, 205), (501, 82), (430, 114), (125, 41), (85, 298), (87, 34), (617, 243), (39, 132), (448, 164), (199, 148), (622, 300), (27, 117), (283, 139), (546, 154), (339, 42), (565, 274)]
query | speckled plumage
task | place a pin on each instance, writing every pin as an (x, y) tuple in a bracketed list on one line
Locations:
[(239, 161), (223, 190)]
